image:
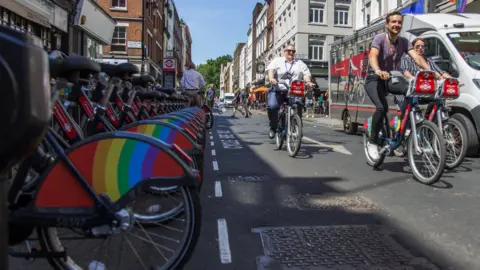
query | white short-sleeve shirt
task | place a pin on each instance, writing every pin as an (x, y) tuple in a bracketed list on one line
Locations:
[(282, 66)]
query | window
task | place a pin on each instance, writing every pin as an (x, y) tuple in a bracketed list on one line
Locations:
[(317, 13), (315, 51), (122, 4), (46, 38), (119, 40), (341, 16)]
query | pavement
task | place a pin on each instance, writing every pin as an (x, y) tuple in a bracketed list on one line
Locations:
[(317, 119), (326, 208)]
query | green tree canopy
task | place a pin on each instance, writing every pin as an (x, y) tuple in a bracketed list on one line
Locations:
[(211, 71)]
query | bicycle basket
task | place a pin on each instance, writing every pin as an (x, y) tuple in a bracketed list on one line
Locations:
[(297, 89), (397, 84), (450, 89), (424, 85)]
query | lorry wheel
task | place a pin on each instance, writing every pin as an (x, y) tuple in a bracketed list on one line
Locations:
[(472, 137), (348, 126)]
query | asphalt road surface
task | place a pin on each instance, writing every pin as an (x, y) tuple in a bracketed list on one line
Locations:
[(326, 208)]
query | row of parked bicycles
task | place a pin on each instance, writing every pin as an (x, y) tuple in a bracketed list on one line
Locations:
[(431, 140), (111, 181)]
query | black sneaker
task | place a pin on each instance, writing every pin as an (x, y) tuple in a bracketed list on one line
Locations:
[(271, 133)]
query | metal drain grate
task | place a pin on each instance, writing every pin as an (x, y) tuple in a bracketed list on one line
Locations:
[(248, 178), (335, 247)]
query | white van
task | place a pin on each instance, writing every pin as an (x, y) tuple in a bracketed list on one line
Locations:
[(229, 99), (456, 39)]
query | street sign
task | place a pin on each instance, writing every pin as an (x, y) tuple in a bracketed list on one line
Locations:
[(169, 65)]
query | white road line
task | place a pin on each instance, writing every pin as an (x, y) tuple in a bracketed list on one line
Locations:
[(218, 189), (212, 144), (335, 147), (213, 152), (215, 165), (211, 137), (223, 242)]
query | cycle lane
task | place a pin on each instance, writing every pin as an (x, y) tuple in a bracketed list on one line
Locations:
[(263, 188)]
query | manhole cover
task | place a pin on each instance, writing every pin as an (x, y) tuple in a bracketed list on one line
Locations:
[(333, 201), (248, 178), (335, 247)]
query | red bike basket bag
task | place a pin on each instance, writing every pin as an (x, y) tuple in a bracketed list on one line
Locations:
[(297, 88), (450, 89), (425, 84)]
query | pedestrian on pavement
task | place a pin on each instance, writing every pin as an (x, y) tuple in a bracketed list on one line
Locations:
[(191, 83), (285, 68), (236, 103), (210, 95)]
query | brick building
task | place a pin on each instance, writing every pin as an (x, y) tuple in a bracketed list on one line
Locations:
[(126, 45), (187, 45), (178, 43)]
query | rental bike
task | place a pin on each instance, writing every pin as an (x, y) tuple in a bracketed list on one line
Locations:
[(97, 188), (425, 142), (290, 125)]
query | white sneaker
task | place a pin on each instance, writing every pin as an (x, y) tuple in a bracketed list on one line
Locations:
[(373, 151)]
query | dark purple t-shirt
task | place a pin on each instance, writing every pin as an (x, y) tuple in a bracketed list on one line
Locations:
[(390, 52)]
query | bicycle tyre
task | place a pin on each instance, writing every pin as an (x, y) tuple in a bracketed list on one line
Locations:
[(49, 241), (298, 122), (463, 152), (3, 227), (441, 149), (209, 120), (374, 163)]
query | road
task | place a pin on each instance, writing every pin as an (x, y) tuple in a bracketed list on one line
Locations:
[(325, 209), (328, 209)]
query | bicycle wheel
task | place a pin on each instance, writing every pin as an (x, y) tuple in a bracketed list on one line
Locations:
[(360, 90), (432, 151), (208, 119), (294, 139), (455, 137), (279, 135), (134, 251), (382, 141)]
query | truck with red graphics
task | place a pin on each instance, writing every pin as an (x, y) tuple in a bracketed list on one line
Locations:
[(451, 40)]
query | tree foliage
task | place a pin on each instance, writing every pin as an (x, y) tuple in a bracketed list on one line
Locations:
[(211, 70)]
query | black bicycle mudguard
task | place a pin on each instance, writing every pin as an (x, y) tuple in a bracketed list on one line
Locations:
[(112, 164)]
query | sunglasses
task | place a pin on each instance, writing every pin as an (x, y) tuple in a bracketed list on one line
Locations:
[(293, 51), (420, 46)]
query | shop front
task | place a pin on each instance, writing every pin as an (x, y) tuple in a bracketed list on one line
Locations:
[(32, 17), (93, 28)]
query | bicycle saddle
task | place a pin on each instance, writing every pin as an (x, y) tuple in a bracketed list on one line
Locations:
[(64, 67), (167, 91), (123, 70), (142, 80)]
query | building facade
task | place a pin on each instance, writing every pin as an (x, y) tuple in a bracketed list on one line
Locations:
[(261, 44), (187, 45), (255, 14), (69, 26), (236, 65), (249, 57), (136, 25), (226, 82), (242, 67), (310, 26)]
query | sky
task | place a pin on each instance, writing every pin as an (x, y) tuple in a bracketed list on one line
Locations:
[(216, 26)]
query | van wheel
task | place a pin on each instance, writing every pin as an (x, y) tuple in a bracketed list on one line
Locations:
[(472, 137), (348, 126)]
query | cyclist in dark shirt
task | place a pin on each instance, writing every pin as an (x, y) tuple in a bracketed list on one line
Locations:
[(385, 53)]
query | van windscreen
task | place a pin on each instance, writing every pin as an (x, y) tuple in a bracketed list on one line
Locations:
[(468, 45)]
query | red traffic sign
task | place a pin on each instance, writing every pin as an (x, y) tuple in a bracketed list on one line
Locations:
[(169, 64)]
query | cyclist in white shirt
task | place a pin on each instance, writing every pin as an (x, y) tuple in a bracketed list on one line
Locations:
[(285, 68)]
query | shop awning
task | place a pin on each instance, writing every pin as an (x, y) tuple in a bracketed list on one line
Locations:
[(260, 89)]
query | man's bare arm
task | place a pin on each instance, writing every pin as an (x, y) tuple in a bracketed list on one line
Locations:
[(373, 59), (420, 61)]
